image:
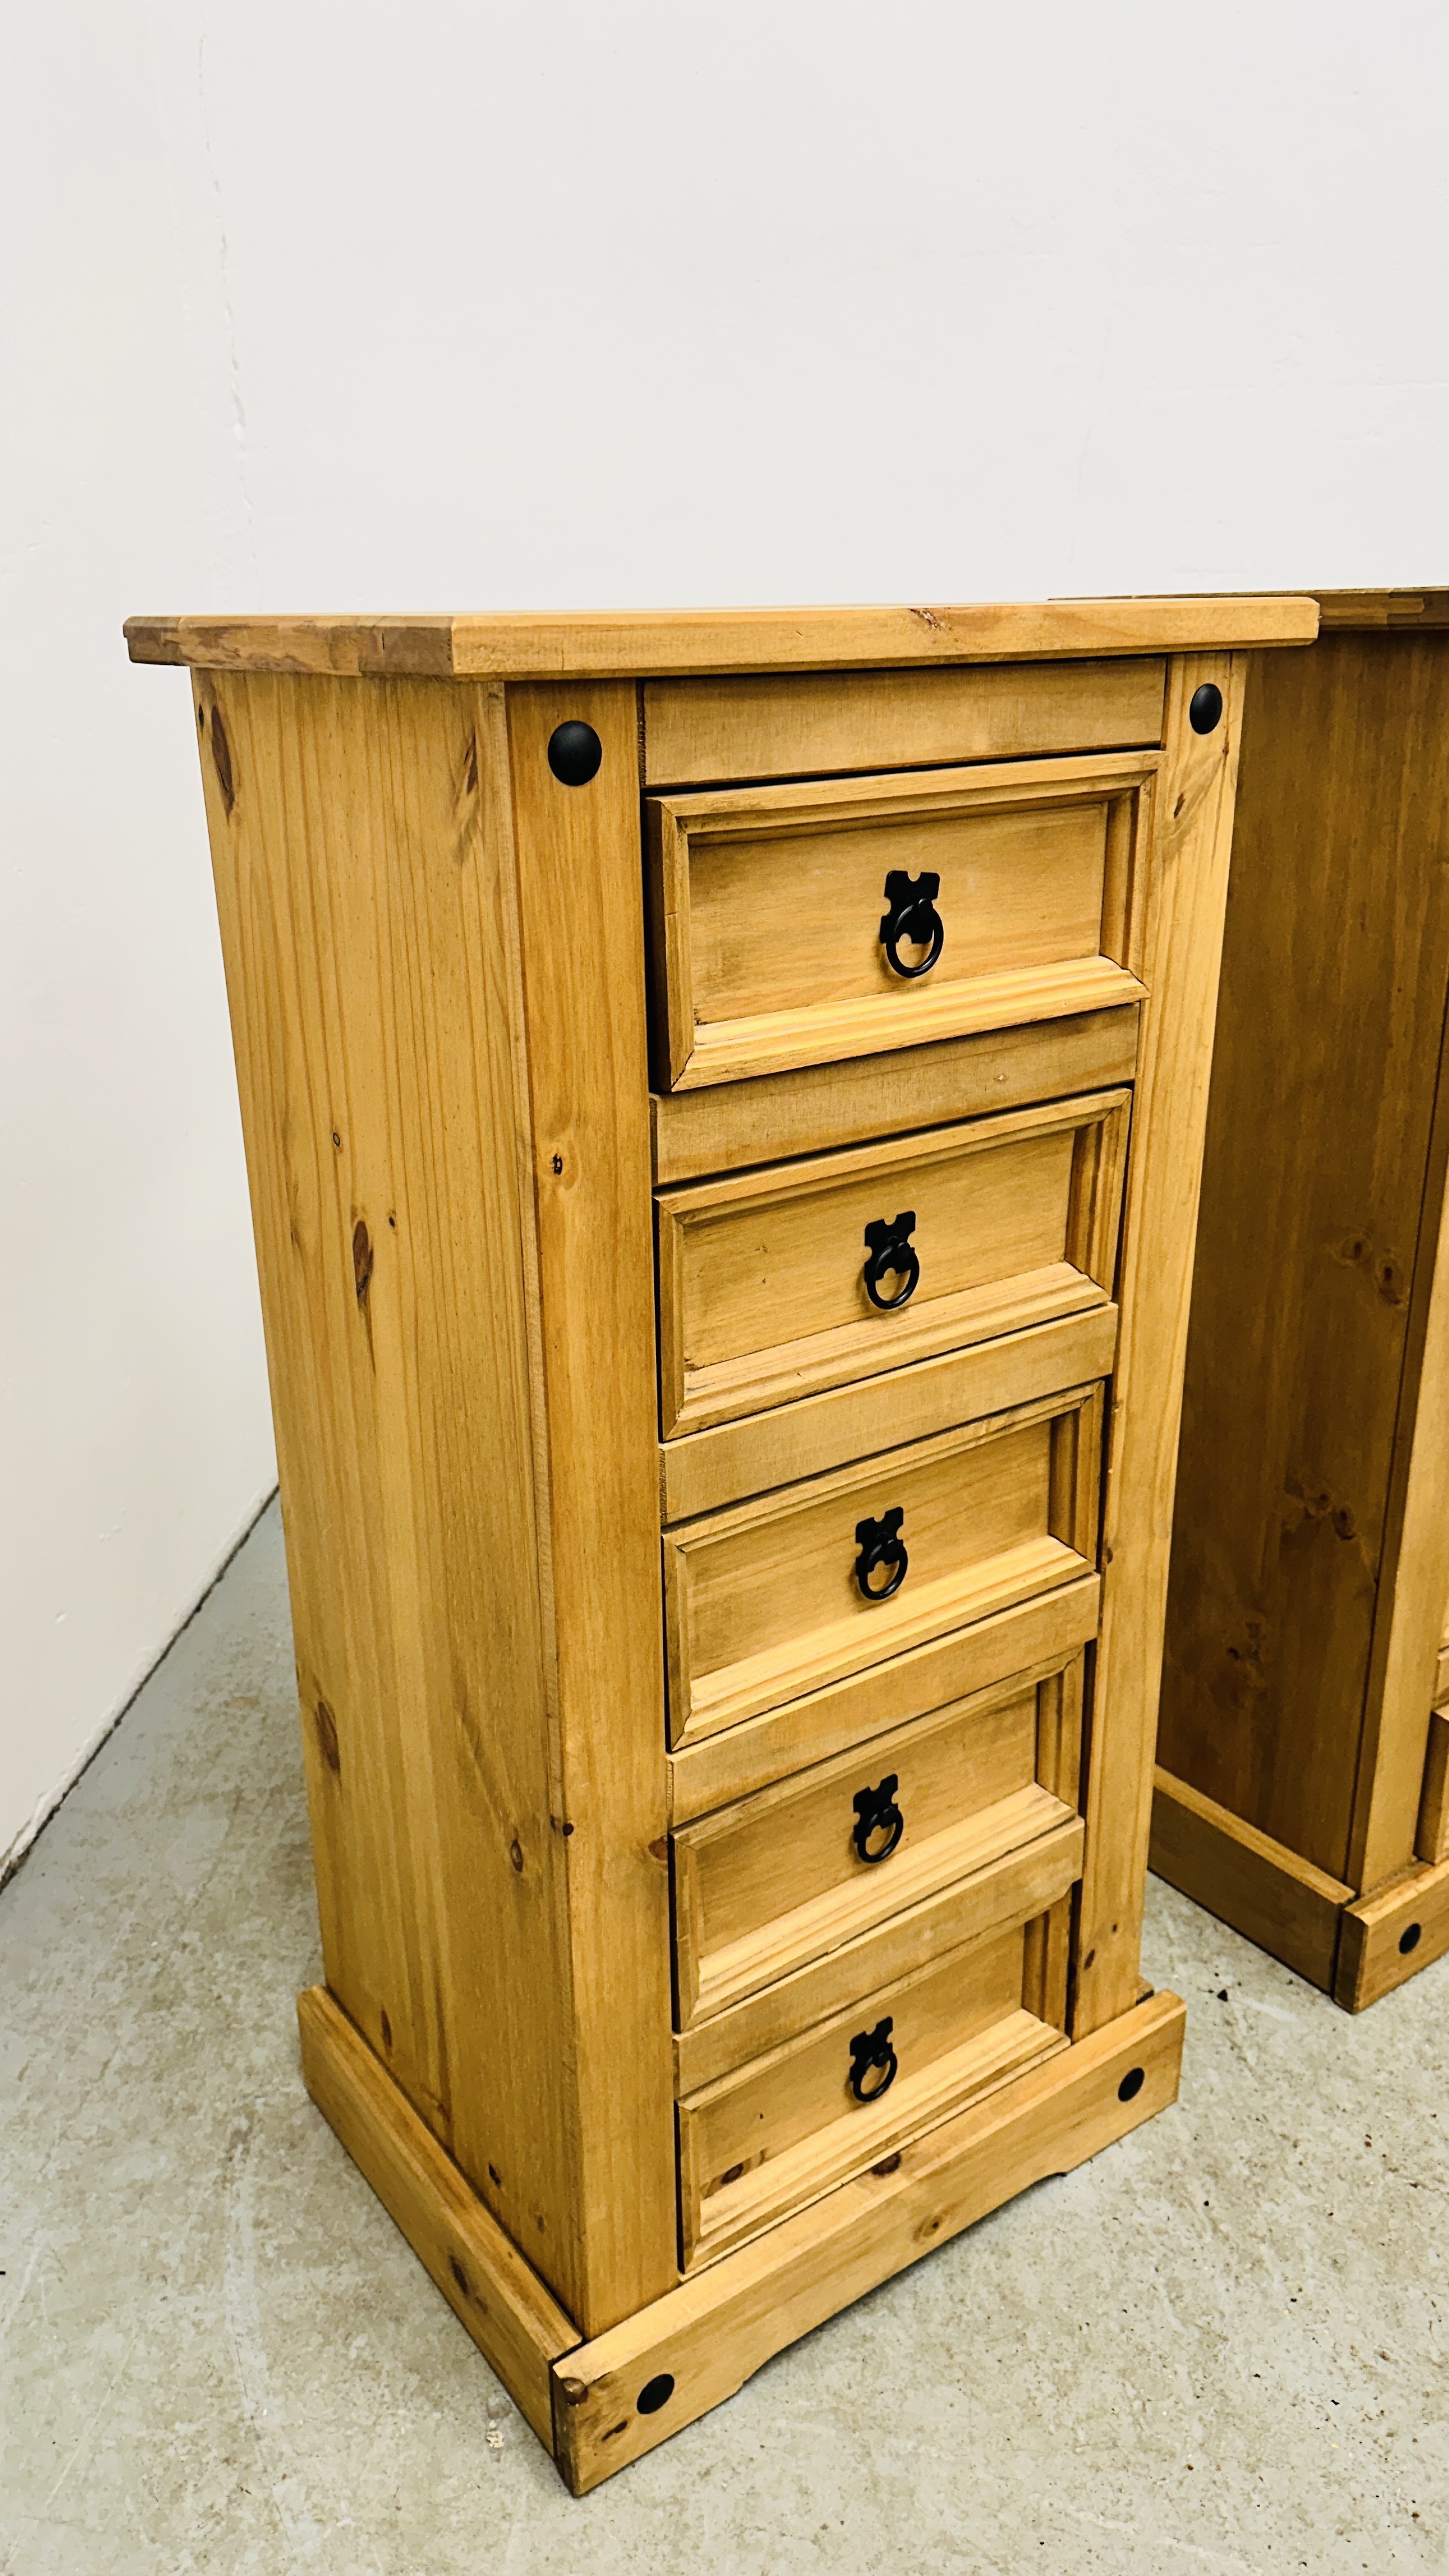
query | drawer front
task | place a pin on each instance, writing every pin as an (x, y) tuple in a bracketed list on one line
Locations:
[(780, 725), (797, 925), (776, 1283), (1036, 1635), (795, 1590), (777, 2133), (799, 1870)]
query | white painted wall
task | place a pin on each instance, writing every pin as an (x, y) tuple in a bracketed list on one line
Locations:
[(344, 304)]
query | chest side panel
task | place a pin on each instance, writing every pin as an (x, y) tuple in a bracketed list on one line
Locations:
[(1334, 967)]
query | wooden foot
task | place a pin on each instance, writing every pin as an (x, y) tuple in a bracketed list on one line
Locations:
[(1389, 1936), (1246, 1879), (596, 2406), (515, 2322), (632, 2387)]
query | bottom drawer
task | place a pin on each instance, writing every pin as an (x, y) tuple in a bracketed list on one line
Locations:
[(785, 2128)]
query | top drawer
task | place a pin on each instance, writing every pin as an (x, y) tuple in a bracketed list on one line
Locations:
[(795, 925)]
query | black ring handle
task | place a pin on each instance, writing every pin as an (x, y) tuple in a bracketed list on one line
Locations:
[(880, 1543), (876, 1812), (891, 1251), (912, 919), (871, 2052)]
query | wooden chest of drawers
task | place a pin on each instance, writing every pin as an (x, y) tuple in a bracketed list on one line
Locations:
[(723, 1101), (1302, 1789)]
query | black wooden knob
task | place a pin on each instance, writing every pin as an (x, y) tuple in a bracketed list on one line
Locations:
[(876, 1813), (892, 1256), (871, 2055), (574, 753), (1206, 707), (880, 1544)]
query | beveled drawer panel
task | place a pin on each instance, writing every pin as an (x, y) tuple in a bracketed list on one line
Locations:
[(781, 1878), (797, 1589), (777, 1283), (774, 2134), (1032, 1636), (795, 925)]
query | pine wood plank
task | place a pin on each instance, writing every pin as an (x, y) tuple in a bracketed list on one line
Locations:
[(646, 642), (1335, 965), (1390, 1784), (766, 905), (517, 2326), (712, 2332), (362, 852), (771, 2136), (1011, 1886), (762, 1293), (1378, 610), (774, 1881), (1389, 1936), (778, 1878), (1432, 1836), (704, 1470), (1019, 1638), (1264, 1890), (583, 1001), (1192, 839), (814, 722), (726, 1126), (761, 1604)]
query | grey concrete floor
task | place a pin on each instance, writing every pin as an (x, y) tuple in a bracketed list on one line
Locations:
[(1221, 2346)]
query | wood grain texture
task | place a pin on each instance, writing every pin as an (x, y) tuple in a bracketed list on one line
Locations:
[(483, 1786), (1431, 1842), (762, 1291), (645, 642), (761, 1601), (712, 2332), (1243, 1877), (517, 2326), (1377, 611), (1013, 1887), (766, 906), (770, 2137), (583, 995), (1390, 1783), (765, 1885), (1192, 839), (362, 852), (1336, 959), (1038, 1632), (1388, 1937), (724, 1127), (815, 722), (704, 1470)]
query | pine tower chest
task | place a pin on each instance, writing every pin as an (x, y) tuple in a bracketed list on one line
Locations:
[(723, 1098), (1303, 1792)]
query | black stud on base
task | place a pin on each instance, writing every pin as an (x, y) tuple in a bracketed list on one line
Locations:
[(1205, 707)]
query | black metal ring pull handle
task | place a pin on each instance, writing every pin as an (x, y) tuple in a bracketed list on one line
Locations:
[(892, 1254), (871, 2053), (912, 921), (880, 1543), (876, 1812)]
